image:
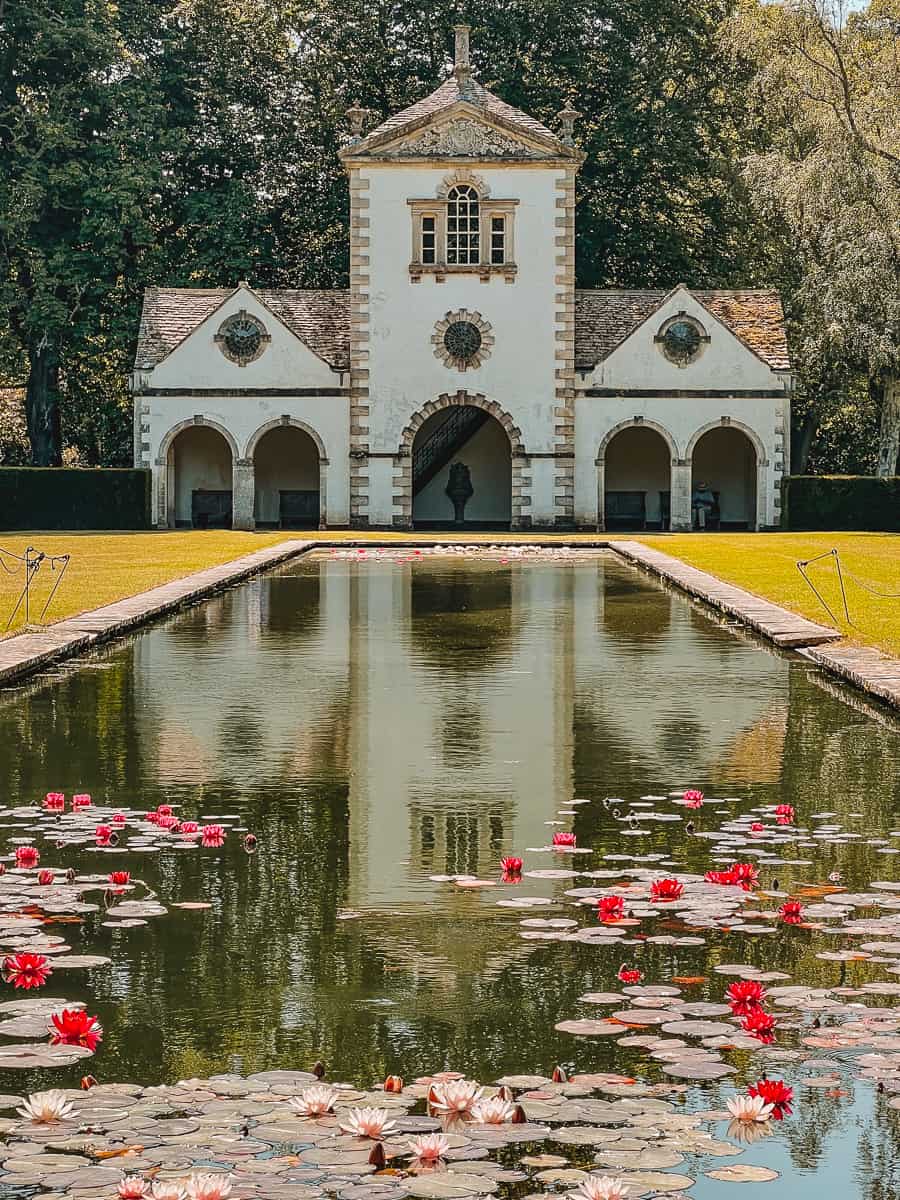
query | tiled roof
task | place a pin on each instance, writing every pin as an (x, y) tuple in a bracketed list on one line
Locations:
[(319, 319), (603, 319), (446, 95)]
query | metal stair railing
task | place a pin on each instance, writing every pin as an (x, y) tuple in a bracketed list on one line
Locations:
[(437, 449)]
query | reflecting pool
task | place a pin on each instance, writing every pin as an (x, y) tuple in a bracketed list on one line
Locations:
[(381, 723)]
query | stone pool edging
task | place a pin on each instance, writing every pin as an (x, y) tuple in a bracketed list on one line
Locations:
[(866, 669)]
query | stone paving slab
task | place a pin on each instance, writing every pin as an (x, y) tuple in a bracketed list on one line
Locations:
[(868, 669), (29, 652), (779, 625)]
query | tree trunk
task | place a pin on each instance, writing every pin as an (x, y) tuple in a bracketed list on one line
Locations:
[(802, 443), (42, 407), (889, 433)]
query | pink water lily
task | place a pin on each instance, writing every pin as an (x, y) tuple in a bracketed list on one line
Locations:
[(55, 802), (314, 1101), (563, 839), (455, 1098), (27, 857), (208, 1187), (602, 1187), (368, 1122), (132, 1187), (212, 835), (693, 798), (430, 1147), (81, 800), (493, 1110)]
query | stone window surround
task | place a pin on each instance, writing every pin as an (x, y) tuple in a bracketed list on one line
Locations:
[(687, 319), (437, 209)]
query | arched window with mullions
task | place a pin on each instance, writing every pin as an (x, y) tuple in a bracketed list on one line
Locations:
[(463, 226)]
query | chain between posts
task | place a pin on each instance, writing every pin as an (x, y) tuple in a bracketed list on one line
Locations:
[(31, 563)]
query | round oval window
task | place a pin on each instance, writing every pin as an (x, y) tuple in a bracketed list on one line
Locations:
[(462, 340), (681, 342)]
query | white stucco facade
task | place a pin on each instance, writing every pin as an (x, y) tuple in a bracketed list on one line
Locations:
[(549, 380)]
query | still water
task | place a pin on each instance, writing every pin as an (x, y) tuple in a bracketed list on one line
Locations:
[(380, 723)]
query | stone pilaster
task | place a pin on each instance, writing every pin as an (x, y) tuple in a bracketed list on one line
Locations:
[(680, 519), (564, 408), (243, 498), (359, 349)]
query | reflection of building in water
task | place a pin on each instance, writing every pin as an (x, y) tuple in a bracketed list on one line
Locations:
[(461, 721), (460, 704)]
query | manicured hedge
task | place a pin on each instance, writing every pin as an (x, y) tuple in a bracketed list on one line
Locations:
[(841, 502), (74, 498)]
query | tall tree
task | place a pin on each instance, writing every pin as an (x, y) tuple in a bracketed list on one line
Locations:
[(74, 180), (830, 80)]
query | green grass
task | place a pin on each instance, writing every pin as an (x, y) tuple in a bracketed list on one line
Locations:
[(766, 564), (108, 566)]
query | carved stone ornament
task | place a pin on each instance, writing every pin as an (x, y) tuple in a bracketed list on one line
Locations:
[(464, 139), (242, 338), (462, 340)]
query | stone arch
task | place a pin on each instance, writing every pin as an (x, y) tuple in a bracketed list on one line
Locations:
[(462, 177), (671, 445), (403, 465), (248, 464), (165, 467), (756, 509)]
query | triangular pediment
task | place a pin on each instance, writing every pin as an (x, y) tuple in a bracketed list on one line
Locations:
[(463, 131)]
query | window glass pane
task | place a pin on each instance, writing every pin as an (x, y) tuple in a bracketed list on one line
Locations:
[(463, 226)]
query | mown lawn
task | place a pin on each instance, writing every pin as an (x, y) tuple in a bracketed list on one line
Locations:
[(766, 564), (108, 566)]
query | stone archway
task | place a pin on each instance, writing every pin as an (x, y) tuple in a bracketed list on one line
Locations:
[(518, 461), (636, 476), (730, 459), (195, 456), (285, 465)]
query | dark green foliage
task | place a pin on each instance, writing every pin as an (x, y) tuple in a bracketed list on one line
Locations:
[(72, 498), (870, 502)]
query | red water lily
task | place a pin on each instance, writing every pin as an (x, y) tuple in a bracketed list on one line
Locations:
[(563, 839), (693, 798), (721, 877), (511, 864), (629, 974), (118, 818), (784, 814), (168, 822), (212, 835), (610, 908), (791, 912), (45, 877), (759, 1024), (27, 856), (189, 827), (776, 1093), (55, 802), (744, 996), (745, 875), (81, 800), (666, 889), (72, 1027), (103, 834), (164, 810), (26, 970), (757, 827), (120, 878)]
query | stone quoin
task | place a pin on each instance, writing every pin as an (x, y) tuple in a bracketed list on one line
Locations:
[(462, 338)]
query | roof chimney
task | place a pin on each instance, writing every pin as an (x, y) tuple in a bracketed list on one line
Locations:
[(462, 67)]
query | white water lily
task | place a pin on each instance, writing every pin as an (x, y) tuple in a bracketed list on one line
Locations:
[(208, 1187), (456, 1097), (749, 1108), (47, 1107), (429, 1147), (602, 1187), (168, 1190), (133, 1187), (368, 1122), (493, 1111), (314, 1101)]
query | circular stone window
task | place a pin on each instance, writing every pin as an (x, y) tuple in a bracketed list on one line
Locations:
[(682, 341), (462, 340), (242, 338)]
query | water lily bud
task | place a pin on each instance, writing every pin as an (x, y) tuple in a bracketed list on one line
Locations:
[(559, 1075), (376, 1158), (87, 1082), (518, 1117), (319, 1070), (393, 1083), (505, 1093)]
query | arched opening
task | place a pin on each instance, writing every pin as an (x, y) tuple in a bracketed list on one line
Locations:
[(286, 475), (637, 480), (199, 466), (723, 480), (461, 471)]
